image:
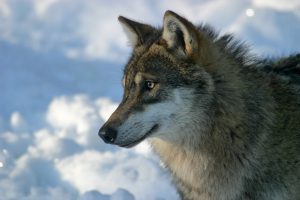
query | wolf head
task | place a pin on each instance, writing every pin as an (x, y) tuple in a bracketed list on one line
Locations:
[(168, 83)]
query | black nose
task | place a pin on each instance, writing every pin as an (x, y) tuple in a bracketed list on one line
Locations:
[(108, 134)]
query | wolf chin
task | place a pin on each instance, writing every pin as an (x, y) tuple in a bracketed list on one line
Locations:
[(225, 124)]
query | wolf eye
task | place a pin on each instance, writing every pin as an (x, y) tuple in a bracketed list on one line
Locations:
[(149, 84)]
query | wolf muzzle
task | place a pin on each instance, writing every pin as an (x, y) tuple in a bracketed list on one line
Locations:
[(108, 134)]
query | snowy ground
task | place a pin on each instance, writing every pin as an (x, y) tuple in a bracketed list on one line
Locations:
[(60, 70)]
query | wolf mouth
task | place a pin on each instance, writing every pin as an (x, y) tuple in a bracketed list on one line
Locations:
[(155, 127)]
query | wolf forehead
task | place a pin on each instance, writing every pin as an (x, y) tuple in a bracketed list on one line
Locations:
[(155, 62)]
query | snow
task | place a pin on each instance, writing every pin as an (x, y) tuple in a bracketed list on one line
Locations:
[(60, 79), (250, 12)]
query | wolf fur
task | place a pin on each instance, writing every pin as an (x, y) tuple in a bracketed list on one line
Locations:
[(225, 124)]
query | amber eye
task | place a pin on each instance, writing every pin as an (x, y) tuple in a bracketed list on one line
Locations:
[(149, 84)]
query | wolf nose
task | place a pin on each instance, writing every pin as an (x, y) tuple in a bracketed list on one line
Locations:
[(108, 134)]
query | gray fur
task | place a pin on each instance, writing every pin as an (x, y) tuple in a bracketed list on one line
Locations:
[(231, 130)]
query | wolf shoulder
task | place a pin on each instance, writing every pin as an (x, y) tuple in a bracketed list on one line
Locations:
[(281, 157), (286, 69)]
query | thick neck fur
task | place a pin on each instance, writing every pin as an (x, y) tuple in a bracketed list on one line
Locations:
[(200, 174), (214, 168), (210, 170)]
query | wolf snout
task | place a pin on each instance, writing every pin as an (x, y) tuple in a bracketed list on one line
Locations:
[(108, 134)]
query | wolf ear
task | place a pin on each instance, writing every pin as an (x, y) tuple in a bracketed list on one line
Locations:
[(136, 32), (180, 34)]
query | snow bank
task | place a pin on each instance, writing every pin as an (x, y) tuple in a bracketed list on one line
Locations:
[(108, 171), (75, 117), (67, 160)]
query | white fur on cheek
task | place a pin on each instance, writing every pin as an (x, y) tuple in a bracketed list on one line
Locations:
[(171, 115)]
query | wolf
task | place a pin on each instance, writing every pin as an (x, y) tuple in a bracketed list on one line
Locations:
[(225, 123)]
